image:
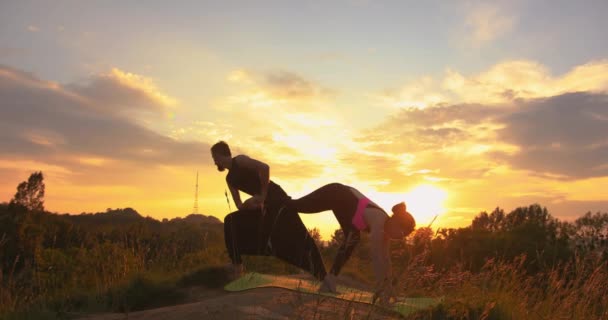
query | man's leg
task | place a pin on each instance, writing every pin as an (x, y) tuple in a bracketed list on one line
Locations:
[(291, 242), (240, 234)]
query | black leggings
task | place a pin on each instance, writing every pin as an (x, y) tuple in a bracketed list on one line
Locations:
[(280, 232), (341, 200)]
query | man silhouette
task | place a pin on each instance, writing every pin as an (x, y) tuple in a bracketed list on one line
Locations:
[(262, 225)]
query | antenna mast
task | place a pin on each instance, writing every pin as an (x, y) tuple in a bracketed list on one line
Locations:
[(195, 210)]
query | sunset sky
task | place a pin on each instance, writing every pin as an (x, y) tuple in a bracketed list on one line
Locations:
[(454, 107)]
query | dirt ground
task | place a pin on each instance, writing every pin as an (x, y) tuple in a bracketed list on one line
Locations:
[(260, 303)]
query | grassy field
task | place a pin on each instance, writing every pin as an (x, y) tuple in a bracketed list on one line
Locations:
[(500, 290), (60, 267)]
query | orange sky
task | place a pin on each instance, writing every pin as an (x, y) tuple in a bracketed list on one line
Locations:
[(488, 108), (451, 160)]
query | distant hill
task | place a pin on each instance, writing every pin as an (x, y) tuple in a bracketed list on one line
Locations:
[(111, 216), (130, 215), (198, 218)]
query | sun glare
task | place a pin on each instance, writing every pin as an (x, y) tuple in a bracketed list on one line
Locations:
[(424, 202)]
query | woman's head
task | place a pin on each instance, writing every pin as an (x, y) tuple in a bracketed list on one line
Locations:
[(400, 224)]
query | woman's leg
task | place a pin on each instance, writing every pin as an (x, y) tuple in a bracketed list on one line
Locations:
[(351, 239), (290, 241), (338, 198), (322, 199)]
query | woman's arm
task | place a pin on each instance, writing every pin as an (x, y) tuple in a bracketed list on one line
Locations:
[(379, 245)]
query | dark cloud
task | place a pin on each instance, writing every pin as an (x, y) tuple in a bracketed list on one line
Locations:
[(111, 95), (443, 114), (414, 130), (433, 138), (6, 52), (289, 85), (373, 166), (424, 134), (557, 205), (565, 135), (411, 139), (54, 124), (571, 210)]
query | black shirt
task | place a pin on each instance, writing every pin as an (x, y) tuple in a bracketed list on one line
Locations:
[(248, 181)]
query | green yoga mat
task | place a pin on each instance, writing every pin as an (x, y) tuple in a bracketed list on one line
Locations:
[(254, 280)]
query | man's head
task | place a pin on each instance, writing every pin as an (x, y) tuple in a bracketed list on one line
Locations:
[(220, 152), (400, 224)]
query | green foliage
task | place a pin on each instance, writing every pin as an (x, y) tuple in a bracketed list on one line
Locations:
[(316, 236), (460, 310), (505, 290), (53, 264), (143, 293), (35, 314), (531, 231), (65, 262), (590, 234), (268, 264), (210, 277), (30, 193)]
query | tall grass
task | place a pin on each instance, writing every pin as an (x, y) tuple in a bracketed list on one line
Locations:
[(501, 290), (122, 277), (105, 277), (504, 290)]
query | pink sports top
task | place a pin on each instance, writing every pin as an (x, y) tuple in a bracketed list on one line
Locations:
[(358, 220)]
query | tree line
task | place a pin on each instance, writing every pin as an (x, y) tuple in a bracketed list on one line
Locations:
[(46, 254)]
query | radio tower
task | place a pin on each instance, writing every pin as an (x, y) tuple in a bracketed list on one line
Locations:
[(195, 210)]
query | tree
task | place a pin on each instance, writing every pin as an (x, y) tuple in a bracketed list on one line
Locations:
[(591, 233), (421, 239), (490, 222), (30, 193), (337, 238), (315, 234)]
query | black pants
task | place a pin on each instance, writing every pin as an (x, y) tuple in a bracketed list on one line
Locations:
[(279, 232), (339, 199)]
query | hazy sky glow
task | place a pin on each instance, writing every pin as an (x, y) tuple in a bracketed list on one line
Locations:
[(452, 106)]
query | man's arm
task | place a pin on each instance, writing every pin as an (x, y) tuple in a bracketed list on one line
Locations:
[(236, 196)]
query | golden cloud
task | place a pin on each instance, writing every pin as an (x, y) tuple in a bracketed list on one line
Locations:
[(501, 84), (282, 89), (487, 22), (143, 84)]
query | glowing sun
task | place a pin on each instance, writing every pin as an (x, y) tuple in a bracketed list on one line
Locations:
[(424, 202)]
